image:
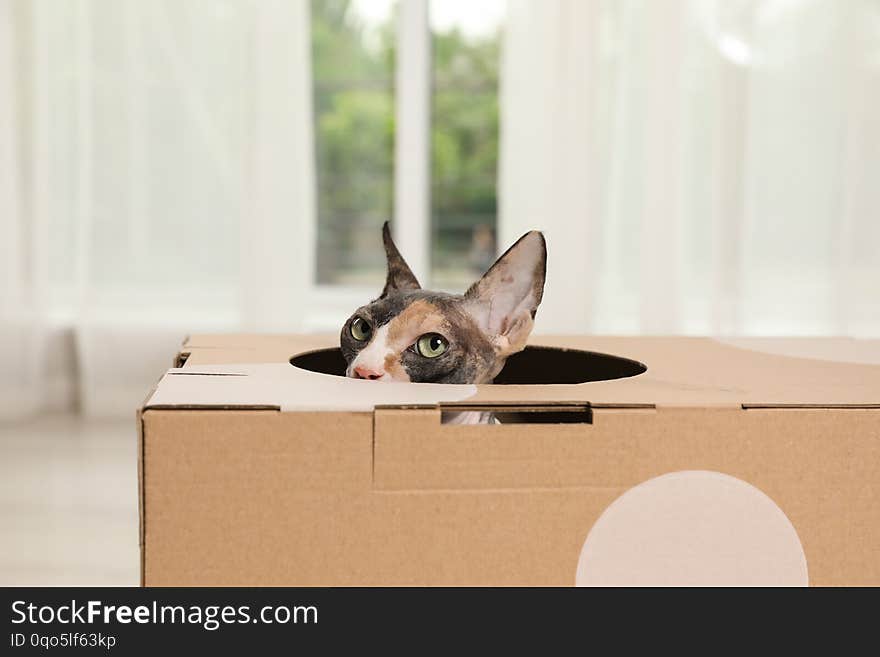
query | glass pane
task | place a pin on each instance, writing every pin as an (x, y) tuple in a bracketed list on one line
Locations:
[(464, 139), (353, 63)]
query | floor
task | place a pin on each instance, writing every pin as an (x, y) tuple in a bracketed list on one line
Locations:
[(68, 502)]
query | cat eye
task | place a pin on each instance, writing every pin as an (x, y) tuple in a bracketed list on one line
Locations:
[(431, 345), (360, 330)]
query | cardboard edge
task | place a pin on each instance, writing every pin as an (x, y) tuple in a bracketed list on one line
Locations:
[(223, 407), (141, 455), (524, 404), (142, 515), (140, 485), (180, 359), (771, 407)]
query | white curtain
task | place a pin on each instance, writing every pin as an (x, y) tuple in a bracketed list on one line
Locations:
[(703, 166), (156, 178)]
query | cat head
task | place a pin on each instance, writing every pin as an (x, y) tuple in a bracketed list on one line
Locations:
[(411, 334)]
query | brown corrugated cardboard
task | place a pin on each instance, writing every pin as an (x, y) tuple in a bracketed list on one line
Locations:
[(256, 472)]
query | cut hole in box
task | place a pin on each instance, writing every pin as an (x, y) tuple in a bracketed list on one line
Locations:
[(532, 366)]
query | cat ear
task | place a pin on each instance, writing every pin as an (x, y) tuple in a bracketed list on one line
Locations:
[(505, 299), (400, 277)]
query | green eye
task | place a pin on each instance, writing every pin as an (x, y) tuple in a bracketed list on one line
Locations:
[(431, 345), (360, 329)]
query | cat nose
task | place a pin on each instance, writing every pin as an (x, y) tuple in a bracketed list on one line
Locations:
[(362, 372)]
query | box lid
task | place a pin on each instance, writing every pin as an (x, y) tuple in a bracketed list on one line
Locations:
[(254, 371)]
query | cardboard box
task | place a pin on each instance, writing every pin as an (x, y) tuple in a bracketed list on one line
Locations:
[(697, 462)]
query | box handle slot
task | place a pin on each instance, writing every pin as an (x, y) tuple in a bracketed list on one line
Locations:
[(452, 414)]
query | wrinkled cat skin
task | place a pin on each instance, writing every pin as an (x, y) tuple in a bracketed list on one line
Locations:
[(477, 330)]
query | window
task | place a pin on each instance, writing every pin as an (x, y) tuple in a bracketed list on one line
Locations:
[(353, 46), (464, 139), (447, 119)]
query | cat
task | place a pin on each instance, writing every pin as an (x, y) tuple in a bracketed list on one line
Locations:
[(411, 334)]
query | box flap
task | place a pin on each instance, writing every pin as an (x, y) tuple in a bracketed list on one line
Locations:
[(254, 371), (283, 387)]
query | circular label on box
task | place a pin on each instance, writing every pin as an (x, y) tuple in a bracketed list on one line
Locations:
[(692, 528)]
